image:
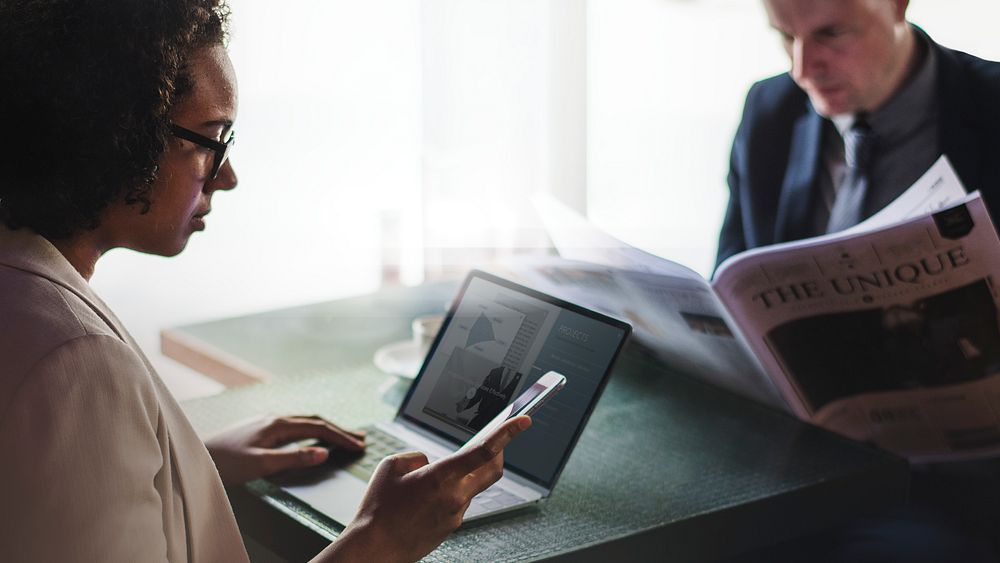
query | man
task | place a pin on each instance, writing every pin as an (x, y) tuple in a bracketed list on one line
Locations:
[(495, 392), (869, 104), (854, 58)]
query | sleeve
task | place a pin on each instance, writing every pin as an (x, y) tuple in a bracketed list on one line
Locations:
[(731, 238), (80, 449)]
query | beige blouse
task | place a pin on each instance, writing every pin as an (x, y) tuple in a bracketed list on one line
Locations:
[(97, 460)]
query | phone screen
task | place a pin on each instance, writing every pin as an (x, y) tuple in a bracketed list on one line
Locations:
[(525, 398), (535, 395)]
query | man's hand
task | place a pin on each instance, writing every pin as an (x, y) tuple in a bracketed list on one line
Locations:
[(411, 506), (253, 449)]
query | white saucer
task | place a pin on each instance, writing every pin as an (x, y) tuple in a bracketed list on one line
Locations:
[(400, 358)]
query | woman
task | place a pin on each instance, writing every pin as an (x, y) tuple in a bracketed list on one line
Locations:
[(118, 122)]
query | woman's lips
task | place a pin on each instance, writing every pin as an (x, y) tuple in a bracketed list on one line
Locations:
[(199, 220)]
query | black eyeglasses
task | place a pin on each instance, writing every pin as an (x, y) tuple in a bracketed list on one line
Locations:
[(221, 148)]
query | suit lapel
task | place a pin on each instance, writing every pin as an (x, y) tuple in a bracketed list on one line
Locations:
[(956, 135), (797, 194)]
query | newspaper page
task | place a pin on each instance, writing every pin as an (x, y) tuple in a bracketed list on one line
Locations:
[(673, 310), (889, 335), (678, 318), (936, 189), (578, 239)]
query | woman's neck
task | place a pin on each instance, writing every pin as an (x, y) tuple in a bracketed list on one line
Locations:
[(82, 251)]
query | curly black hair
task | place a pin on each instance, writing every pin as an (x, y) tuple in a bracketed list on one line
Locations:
[(86, 88)]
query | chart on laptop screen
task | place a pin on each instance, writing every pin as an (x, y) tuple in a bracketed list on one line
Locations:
[(499, 342)]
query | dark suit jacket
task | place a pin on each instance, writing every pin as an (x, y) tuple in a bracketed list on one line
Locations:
[(776, 157), (492, 397)]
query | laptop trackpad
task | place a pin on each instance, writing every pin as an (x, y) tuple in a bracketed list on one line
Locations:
[(338, 495)]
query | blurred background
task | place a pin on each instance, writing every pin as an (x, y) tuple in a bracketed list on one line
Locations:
[(393, 141)]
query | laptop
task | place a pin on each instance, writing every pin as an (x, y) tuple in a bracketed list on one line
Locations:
[(497, 340)]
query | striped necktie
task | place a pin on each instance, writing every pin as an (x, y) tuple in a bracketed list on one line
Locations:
[(849, 204)]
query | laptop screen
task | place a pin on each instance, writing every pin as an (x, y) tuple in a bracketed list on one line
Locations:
[(497, 340)]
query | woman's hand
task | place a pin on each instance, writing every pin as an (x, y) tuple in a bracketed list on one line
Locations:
[(251, 450), (411, 506)]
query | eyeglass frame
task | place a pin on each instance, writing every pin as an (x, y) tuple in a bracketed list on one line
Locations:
[(221, 149)]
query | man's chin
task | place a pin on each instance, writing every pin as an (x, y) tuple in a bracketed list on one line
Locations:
[(829, 107)]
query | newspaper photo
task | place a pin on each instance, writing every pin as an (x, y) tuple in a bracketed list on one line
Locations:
[(890, 335)]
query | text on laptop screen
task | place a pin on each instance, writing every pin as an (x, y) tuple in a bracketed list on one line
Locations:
[(499, 342)]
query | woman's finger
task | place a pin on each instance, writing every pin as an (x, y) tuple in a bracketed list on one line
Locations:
[(402, 463), (294, 429), (277, 460), (478, 455), (359, 434)]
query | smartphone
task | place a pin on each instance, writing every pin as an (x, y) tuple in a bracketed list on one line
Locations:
[(526, 403)]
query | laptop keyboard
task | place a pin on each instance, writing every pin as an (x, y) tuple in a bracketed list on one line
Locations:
[(380, 444), (493, 498)]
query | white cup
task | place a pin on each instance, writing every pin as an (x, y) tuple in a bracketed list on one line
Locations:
[(424, 329)]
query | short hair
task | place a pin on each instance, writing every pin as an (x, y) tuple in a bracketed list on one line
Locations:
[(86, 89)]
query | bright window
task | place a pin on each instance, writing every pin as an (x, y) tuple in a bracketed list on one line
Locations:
[(389, 139)]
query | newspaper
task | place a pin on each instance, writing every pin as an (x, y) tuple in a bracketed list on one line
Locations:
[(887, 332)]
